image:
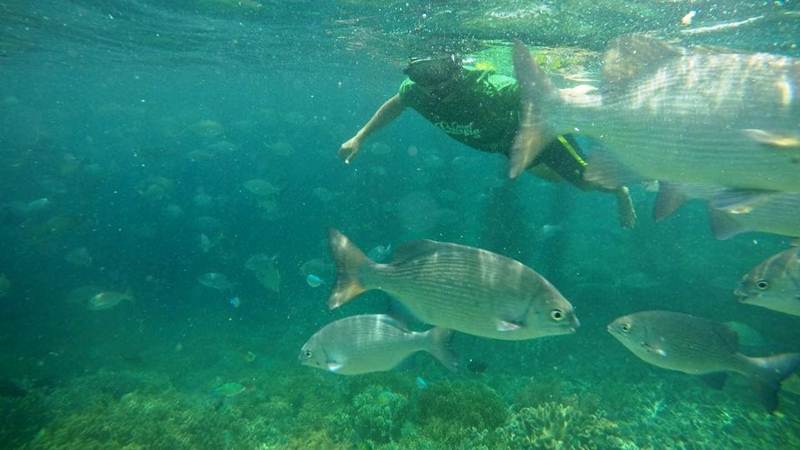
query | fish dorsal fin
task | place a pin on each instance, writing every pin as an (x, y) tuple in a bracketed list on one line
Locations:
[(393, 321), (631, 56), (415, 249)]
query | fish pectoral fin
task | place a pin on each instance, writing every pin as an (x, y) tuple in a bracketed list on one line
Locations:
[(334, 366), (653, 349), (507, 325), (775, 140)]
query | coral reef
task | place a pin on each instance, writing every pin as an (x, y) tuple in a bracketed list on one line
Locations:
[(456, 412), (462, 403), (292, 408), (553, 425), (378, 414)]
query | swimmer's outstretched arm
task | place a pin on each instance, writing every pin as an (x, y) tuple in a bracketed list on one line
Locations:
[(389, 111)]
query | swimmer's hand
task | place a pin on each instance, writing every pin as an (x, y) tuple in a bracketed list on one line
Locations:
[(349, 149)]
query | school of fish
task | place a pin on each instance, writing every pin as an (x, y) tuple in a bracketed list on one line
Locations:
[(720, 126)]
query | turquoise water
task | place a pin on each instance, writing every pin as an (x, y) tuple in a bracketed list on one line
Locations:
[(142, 123)]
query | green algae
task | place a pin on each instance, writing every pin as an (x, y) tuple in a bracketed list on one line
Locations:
[(560, 425), (293, 408)]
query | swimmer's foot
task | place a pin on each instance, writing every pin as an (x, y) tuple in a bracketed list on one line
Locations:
[(625, 210)]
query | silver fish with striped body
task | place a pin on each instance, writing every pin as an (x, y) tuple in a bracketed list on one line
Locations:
[(698, 346), (671, 114), (371, 343), (457, 287)]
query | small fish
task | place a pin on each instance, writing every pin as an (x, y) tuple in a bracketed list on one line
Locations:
[(235, 302), (38, 205), (265, 269), (216, 280), (698, 346), (456, 287), (108, 299), (421, 383), (9, 388), (261, 188), (79, 257), (774, 284), (318, 267), (205, 243), (548, 231), (371, 343), (313, 280), (228, 390)]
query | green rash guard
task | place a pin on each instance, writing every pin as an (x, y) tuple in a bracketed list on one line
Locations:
[(481, 110)]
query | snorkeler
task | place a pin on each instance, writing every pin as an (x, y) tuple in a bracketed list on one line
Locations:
[(481, 109)]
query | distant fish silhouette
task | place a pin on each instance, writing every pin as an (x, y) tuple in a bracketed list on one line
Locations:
[(9, 388)]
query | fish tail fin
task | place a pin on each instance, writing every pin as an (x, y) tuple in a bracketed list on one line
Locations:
[(768, 372), (440, 347), (533, 134), (668, 200), (349, 260)]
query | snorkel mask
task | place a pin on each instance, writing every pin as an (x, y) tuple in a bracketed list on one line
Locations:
[(432, 72)]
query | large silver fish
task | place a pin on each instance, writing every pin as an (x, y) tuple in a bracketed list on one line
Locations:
[(457, 287), (672, 114), (698, 346), (371, 343), (733, 212), (774, 284)]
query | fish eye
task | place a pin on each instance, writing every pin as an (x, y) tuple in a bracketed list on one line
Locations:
[(626, 327), (557, 314), (307, 354), (762, 284)]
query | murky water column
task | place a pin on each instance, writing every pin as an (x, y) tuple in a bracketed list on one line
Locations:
[(504, 226), (552, 253)]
